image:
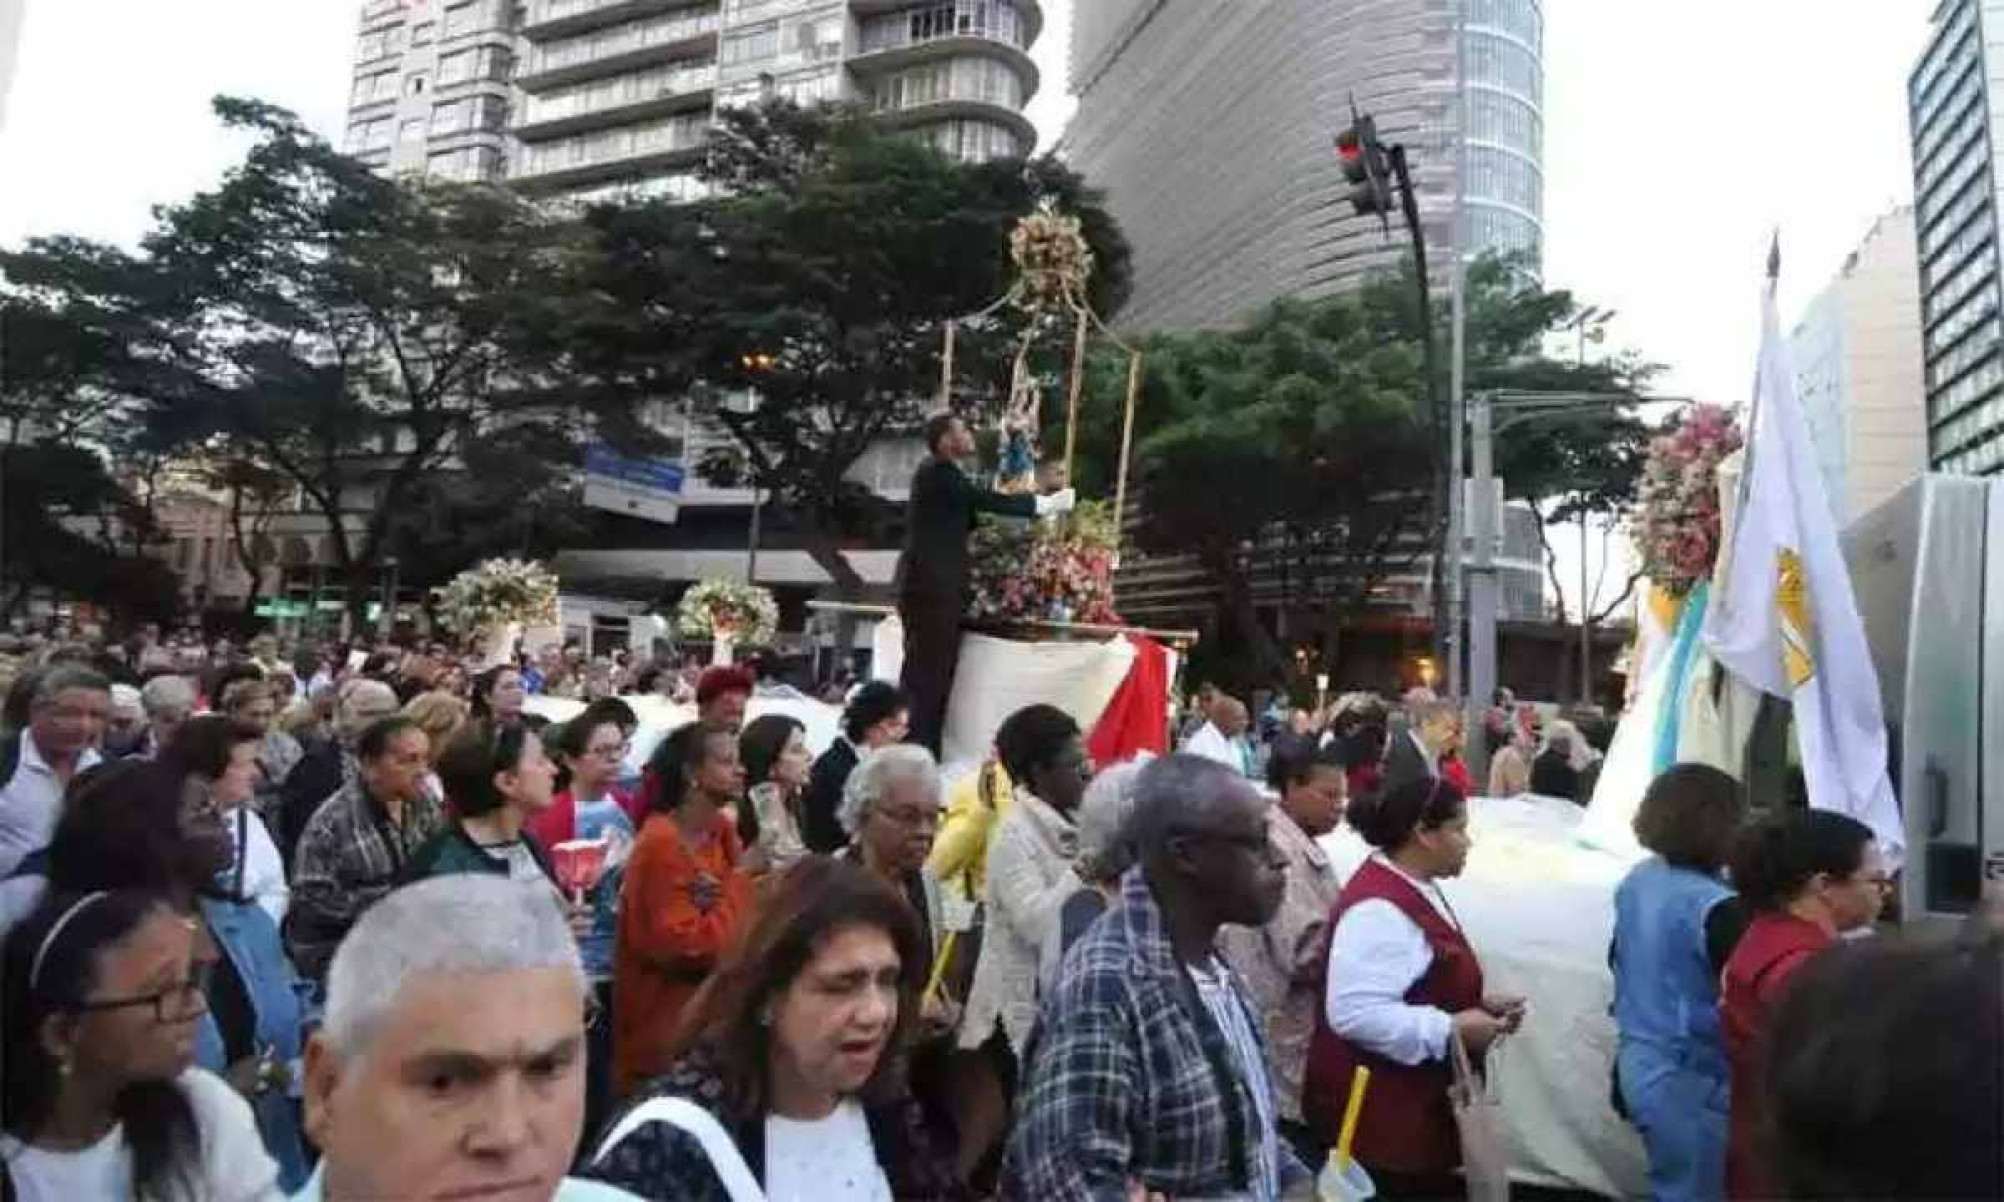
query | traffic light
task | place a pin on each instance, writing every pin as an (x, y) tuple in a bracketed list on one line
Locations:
[(1366, 168)]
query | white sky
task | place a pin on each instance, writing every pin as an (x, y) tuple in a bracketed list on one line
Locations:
[(1677, 137)]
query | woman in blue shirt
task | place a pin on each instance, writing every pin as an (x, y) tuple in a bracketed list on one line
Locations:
[(1675, 924)]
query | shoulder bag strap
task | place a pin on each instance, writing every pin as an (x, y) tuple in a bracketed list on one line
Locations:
[(693, 1120)]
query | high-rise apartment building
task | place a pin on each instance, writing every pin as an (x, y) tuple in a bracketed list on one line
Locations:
[(1858, 371), (577, 97), (1210, 125), (1949, 98)]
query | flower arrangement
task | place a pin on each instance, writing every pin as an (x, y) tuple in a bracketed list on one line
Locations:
[(499, 593), (1059, 571), (1052, 258), (1677, 528), (729, 610)]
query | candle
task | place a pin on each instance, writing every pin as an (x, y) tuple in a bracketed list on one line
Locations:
[(1351, 1112)]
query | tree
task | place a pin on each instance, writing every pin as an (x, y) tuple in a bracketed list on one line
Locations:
[(1307, 428), (352, 333), (66, 524), (821, 275)]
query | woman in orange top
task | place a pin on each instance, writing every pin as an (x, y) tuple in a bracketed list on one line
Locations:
[(685, 893)]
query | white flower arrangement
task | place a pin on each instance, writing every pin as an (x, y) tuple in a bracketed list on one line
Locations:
[(720, 608), (499, 593)]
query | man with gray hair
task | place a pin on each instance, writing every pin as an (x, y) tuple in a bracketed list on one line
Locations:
[(67, 709), (168, 700), (451, 1060), (1148, 1031)]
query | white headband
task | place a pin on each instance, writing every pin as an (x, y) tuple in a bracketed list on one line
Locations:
[(55, 929)]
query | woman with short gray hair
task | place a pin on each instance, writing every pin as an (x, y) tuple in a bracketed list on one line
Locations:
[(890, 811)]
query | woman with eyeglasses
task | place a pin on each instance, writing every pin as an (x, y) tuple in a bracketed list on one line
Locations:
[(161, 828), (1403, 985), (1807, 877), (102, 999)]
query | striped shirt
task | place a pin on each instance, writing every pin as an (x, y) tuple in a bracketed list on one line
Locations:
[(1227, 1008)]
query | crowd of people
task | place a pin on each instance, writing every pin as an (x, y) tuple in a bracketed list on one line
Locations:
[(270, 936)]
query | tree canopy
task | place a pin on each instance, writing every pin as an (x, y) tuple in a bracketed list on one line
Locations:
[(821, 273), (1299, 441), (352, 333)]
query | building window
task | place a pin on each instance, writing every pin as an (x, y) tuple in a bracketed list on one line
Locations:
[(632, 35), (379, 43), (476, 63), (369, 135), (754, 47), (421, 33), (411, 130), (414, 86), (382, 85), (486, 113), (461, 17)]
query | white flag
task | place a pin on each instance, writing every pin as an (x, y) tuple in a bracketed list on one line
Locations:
[(1786, 620)]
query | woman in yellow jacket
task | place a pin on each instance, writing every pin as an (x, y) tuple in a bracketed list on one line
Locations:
[(973, 808)]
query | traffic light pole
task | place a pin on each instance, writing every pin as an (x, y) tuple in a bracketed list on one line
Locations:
[(1440, 504)]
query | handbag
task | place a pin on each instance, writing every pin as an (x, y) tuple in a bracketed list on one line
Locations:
[(1478, 1116)]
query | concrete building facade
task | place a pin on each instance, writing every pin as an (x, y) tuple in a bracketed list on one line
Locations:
[(1210, 126), (577, 98), (1952, 95), (1858, 371)]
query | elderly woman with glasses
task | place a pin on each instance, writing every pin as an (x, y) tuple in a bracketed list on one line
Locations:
[(890, 811)]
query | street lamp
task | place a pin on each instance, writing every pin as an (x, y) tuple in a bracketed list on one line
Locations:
[(757, 363), (1515, 409)]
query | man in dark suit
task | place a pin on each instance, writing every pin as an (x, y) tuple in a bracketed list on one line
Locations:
[(878, 715), (932, 571), (1413, 751)]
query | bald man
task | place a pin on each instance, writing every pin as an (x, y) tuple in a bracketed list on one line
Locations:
[(1223, 738)]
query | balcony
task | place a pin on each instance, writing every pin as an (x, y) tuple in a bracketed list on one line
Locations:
[(982, 87), (1030, 11), (622, 153), (614, 51), (615, 101), (559, 18), (936, 32)]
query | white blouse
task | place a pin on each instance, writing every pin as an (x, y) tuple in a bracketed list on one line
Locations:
[(1376, 955), (824, 1160), (234, 1168)]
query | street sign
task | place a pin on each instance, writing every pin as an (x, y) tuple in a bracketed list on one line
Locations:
[(643, 488)]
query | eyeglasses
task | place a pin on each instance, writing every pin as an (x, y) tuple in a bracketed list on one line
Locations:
[(1879, 881), (1258, 844), (910, 816), (617, 751), (174, 1004)]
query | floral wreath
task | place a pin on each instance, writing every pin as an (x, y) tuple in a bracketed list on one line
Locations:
[(498, 593), (721, 608)]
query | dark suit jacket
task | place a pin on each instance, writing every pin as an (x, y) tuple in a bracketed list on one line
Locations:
[(937, 521), (1403, 762), (821, 830)]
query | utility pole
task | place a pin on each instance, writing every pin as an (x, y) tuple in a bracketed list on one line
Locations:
[(757, 363), (1454, 575)]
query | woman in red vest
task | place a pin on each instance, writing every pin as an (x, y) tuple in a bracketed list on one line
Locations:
[(1808, 876), (1402, 982)]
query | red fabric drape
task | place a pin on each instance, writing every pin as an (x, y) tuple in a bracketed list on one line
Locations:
[(1137, 719)]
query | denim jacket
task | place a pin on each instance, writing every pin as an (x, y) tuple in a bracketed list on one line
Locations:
[(245, 933)]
